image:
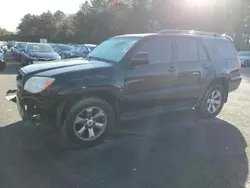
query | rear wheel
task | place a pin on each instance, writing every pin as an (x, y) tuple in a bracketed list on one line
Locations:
[(88, 122), (212, 102)]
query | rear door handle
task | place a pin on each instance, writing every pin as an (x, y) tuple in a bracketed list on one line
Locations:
[(171, 69)]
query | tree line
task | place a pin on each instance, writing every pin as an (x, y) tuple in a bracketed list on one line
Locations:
[(97, 20)]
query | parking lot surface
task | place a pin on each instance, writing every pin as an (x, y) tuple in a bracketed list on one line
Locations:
[(174, 151)]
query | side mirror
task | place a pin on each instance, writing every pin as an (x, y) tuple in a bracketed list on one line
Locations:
[(140, 58)]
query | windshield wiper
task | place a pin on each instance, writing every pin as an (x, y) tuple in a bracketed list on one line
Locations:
[(99, 59)]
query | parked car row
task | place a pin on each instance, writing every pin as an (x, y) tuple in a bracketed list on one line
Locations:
[(29, 53), (78, 51)]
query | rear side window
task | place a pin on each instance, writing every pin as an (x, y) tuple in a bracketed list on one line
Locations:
[(187, 50), (159, 50), (202, 53), (226, 49)]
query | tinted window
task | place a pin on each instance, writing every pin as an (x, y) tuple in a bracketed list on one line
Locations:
[(187, 50), (202, 53), (159, 50), (226, 48)]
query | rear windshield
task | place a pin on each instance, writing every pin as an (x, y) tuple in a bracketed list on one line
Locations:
[(226, 48), (21, 45), (64, 47)]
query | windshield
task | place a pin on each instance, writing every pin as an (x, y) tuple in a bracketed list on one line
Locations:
[(113, 49), (64, 48), (40, 48), (21, 45)]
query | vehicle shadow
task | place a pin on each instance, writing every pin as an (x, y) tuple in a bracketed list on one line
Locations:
[(177, 150)]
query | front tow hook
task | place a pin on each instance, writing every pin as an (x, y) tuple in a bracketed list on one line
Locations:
[(11, 95)]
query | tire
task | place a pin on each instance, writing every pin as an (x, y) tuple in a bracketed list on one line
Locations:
[(202, 108), (70, 128)]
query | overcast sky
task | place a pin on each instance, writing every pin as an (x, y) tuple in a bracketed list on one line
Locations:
[(13, 10)]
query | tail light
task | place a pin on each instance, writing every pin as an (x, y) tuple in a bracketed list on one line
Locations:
[(239, 70)]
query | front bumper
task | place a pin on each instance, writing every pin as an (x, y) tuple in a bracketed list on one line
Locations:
[(11, 95), (32, 109)]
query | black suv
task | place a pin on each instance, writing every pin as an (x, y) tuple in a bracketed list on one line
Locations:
[(127, 77)]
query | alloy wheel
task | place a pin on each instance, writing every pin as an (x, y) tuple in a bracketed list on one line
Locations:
[(214, 102), (90, 123)]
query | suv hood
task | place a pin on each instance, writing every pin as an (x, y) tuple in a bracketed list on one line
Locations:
[(63, 66)]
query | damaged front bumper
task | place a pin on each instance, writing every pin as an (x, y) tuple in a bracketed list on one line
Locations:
[(11, 95), (32, 109)]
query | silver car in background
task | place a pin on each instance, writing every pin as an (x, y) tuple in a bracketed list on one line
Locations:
[(244, 57)]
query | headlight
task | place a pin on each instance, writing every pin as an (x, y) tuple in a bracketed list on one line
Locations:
[(38, 84)]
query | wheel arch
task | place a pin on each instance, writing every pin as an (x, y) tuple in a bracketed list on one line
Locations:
[(106, 95), (223, 82)]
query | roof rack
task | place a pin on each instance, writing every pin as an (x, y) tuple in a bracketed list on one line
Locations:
[(190, 32)]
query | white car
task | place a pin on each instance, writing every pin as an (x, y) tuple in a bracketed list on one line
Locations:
[(244, 57)]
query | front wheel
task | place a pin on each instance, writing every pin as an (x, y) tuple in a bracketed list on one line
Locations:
[(212, 102), (88, 121)]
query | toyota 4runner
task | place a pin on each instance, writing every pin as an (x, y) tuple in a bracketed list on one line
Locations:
[(128, 77)]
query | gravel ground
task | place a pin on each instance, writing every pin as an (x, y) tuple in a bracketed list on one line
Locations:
[(174, 150)]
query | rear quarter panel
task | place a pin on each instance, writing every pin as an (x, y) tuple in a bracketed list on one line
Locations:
[(220, 69)]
